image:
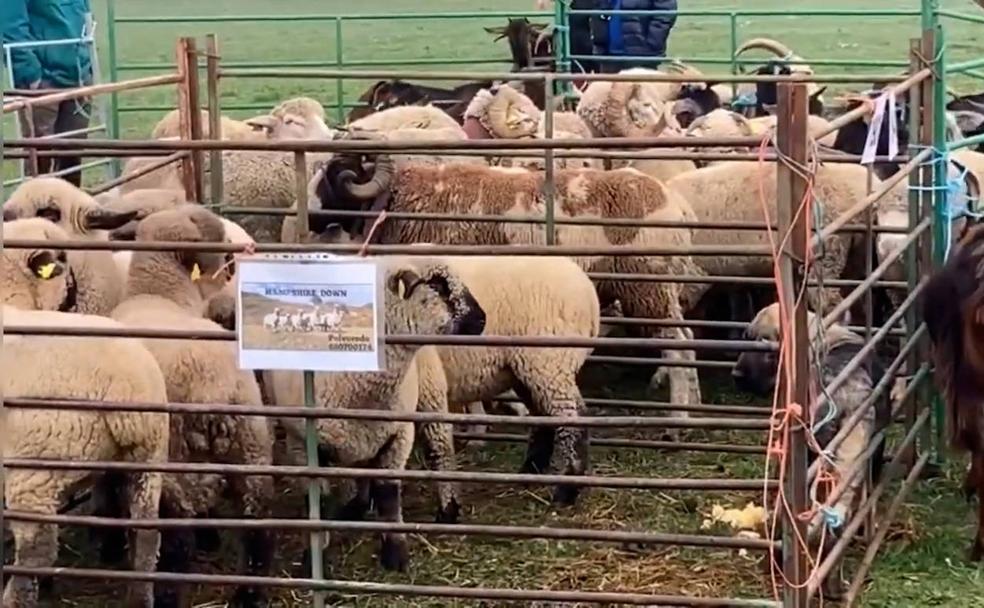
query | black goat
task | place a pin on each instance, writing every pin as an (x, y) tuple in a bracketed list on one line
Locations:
[(532, 50), (968, 110), (391, 93)]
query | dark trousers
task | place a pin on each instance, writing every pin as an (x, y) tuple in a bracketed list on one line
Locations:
[(48, 120)]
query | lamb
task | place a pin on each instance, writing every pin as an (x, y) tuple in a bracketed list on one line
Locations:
[(65, 368), (423, 299), (546, 297), (36, 285), (453, 188), (168, 290), (98, 284), (833, 350)]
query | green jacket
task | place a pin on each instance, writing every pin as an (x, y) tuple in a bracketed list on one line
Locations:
[(58, 66)]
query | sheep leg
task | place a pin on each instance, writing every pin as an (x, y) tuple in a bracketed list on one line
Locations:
[(394, 552), (144, 499), (570, 454), (684, 381), (438, 444), (36, 547), (539, 447), (357, 507), (176, 553), (107, 502)]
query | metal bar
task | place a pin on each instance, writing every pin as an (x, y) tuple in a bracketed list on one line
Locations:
[(96, 153), (584, 481), (660, 362), (195, 117), (631, 443), (548, 160), (845, 304), (870, 63), (139, 172), (939, 196), (413, 339), (354, 587), (860, 111), (791, 190), (90, 91), (535, 219), (540, 76), (758, 12), (339, 64), (883, 188), (926, 264), (332, 17), (308, 413), (879, 538), (494, 531), (847, 535), (214, 117), (742, 410), (960, 16), (185, 111), (408, 250)]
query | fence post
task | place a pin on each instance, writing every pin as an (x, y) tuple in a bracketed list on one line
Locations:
[(791, 189), (185, 110), (562, 48), (214, 119), (340, 63), (114, 98)]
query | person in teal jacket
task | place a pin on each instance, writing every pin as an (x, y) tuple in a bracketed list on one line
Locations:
[(59, 66)]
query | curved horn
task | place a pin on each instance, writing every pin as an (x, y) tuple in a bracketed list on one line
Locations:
[(769, 44), (505, 100), (683, 68), (382, 176)]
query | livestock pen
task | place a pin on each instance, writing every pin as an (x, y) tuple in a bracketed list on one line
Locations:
[(559, 572)]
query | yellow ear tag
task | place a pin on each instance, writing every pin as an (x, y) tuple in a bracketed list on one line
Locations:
[(401, 288), (196, 272), (46, 271)]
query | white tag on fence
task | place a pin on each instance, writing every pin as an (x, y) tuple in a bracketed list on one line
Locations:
[(874, 131), (893, 128)]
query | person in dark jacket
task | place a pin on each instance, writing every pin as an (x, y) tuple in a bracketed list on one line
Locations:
[(632, 35), (60, 66)]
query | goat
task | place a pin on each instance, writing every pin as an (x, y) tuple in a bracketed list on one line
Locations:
[(531, 47)]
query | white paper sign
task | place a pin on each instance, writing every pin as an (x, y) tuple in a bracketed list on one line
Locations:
[(883, 103), (317, 313)]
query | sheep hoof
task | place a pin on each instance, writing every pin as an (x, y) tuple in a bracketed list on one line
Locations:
[(449, 514), (207, 540), (565, 496), (394, 554)]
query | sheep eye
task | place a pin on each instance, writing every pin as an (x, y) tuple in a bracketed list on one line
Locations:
[(61, 257), (52, 214)]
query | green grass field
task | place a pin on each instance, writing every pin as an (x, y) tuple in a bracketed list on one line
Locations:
[(924, 562)]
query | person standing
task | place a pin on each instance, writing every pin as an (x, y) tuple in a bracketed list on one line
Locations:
[(40, 68), (633, 35)]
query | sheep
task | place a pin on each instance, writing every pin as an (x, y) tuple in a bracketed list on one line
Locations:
[(420, 299), (295, 118), (385, 94), (169, 127), (626, 109), (454, 188), (98, 284), (406, 117), (725, 123), (38, 279), (274, 321), (831, 350), (167, 290), (546, 297), (766, 93), (730, 191), (66, 368), (502, 112)]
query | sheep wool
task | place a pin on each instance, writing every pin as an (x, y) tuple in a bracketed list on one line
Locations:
[(164, 293), (66, 368), (425, 299)]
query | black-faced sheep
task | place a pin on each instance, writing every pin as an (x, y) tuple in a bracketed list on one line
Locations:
[(346, 184), (425, 299), (167, 290), (99, 287), (543, 297)]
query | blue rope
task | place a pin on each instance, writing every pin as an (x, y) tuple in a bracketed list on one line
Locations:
[(832, 518), (745, 100), (957, 197)]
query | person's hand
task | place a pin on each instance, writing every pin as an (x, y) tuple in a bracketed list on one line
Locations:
[(35, 85)]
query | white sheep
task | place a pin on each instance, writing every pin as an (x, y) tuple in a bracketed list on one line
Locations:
[(427, 117), (424, 299), (99, 287), (274, 320), (170, 291)]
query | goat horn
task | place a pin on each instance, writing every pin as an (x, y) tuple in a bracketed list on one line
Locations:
[(769, 44), (382, 174)]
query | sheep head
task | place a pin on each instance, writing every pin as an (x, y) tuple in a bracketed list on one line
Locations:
[(790, 64), (37, 279), (427, 298), (504, 112), (59, 201), (207, 272), (721, 123), (632, 112), (297, 118)]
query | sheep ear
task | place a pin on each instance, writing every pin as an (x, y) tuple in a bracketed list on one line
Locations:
[(45, 265), (404, 282), (262, 123), (499, 32), (9, 214), (101, 218), (126, 232)]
